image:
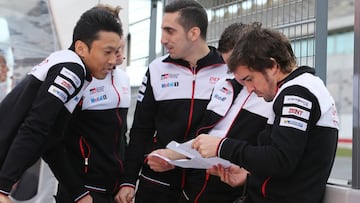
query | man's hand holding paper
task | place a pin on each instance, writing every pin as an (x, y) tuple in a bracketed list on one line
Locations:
[(206, 145), (160, 160), (192, 158)]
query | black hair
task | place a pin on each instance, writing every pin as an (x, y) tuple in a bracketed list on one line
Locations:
[(230, 36), (91, 23), (259, 47), (192, 14)]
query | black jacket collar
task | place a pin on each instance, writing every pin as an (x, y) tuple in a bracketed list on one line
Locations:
[(212, 58), (298, 71)]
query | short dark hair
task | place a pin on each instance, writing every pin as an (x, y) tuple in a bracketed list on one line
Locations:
[(230, 36), (258, 46), (114, 10), (91, 23), (192, 14)]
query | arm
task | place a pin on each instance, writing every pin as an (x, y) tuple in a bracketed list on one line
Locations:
[(233, 176), (4, 198), (126, 194), (141, 133), (281, 155), (160, 165), (30, 140)]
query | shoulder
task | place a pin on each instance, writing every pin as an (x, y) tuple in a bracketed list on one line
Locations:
[(66, 62)]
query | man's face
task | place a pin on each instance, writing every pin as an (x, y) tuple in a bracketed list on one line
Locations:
[(3, 69), (262, 84), (101, 57), (174, 37), (120, 52)]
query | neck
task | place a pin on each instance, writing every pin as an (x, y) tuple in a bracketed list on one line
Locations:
[(282, 75), (200, 52)]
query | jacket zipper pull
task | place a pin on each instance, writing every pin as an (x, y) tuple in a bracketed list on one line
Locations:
[(86, 163)]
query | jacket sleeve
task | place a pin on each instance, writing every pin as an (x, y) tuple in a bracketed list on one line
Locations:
[(31, 139), (141, 133), (286, 143)]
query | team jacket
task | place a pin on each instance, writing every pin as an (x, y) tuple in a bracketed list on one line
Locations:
[(36, 111), (297, 149), (95, 138), (235, 113), (171, 102)]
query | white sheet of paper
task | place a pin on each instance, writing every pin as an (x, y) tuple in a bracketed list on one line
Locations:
[(195, 159)]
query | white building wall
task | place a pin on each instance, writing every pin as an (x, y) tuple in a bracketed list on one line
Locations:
[(66, 13)]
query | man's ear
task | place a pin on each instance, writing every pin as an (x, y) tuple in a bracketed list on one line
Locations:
[(275, 67), (194, 33), (81, 48)]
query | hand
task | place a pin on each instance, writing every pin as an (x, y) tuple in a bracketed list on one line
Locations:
[(4, 198), (160, 165), (206, 145), (85, 199), (125, 195), (233, 175)]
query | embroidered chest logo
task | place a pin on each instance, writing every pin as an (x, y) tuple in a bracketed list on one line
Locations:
[(125, 90), (213, 80), (225, 90), (168, 76), (216, 96), (96, 90), (97, 94), (169, 84)]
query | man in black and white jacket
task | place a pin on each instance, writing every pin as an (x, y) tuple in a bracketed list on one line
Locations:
[(295, 153), (38, 107)]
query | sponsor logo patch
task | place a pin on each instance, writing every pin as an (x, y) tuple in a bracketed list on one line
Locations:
[(96, 90), (225, 90), (72, 76), (43, 62), (57, 92), (168, 75), (142, 88), (98, 99), (169, 84), (144, 81), (125, 90), (293, 123), (216, 96), (295, 111), (140, 97), (65, 84), (334, 115), (298, 100), (213, 80)]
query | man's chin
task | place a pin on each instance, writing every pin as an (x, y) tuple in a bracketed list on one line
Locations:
[(268, 99), (99, 76)]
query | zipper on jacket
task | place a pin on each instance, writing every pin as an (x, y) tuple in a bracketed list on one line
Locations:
[(193, 70), (116, 91), (84, 154), (202, 188), (263, 186), (117, 134)]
